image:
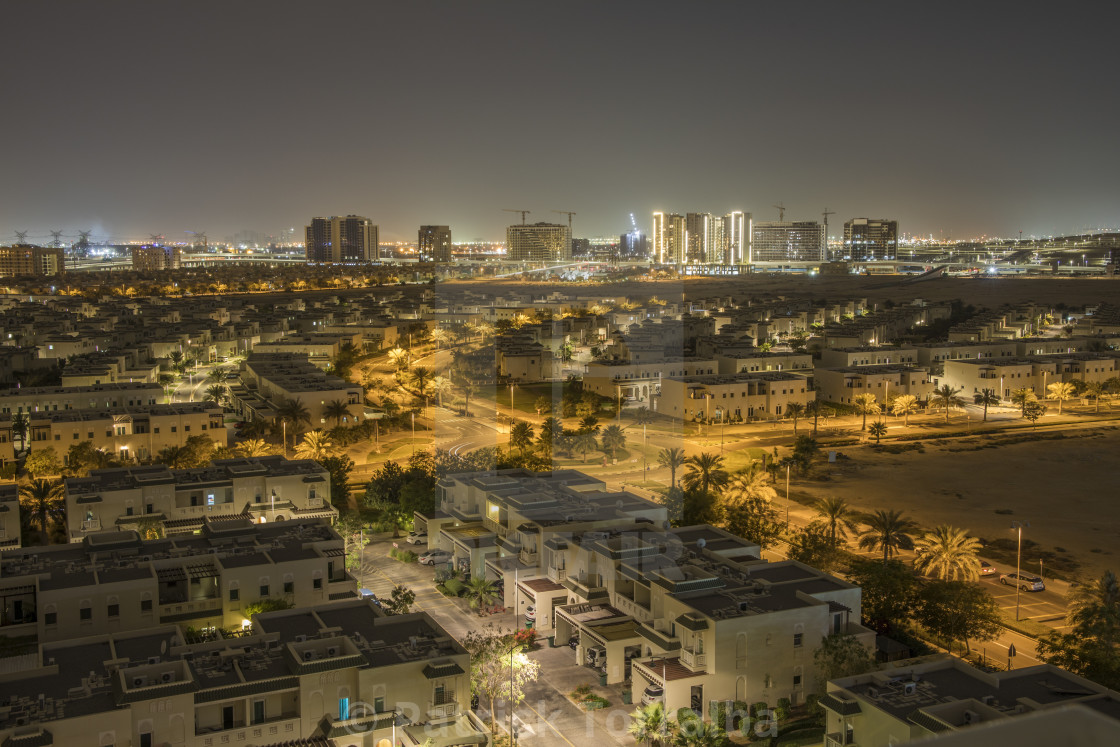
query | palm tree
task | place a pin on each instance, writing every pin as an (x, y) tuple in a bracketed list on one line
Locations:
[(440, 386), (650, 724), (584, 443), (589, 423), (316, 445), (887, 531), (421, 377), (216, 374), (838, 516), (705, 473), (878, 430), (216, 393), (521, 436), (439, 336), (1061, 391), (292, 411), (866, 404), (336, 409), (795, 410), (398, 357), (1095, 607), (986, 398), (904, 405), (175, 457), (946, 396), (43, 501), (949, 554), (21, 424), (253, 429), (752, 482), (469, 388), (1096, 391), (480, 592), (1023, 397), (613, 439), (673, 458), (254, 447), (695, 732)]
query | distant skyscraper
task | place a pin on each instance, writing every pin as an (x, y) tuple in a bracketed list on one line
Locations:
[(698, 237), (539, 242), (30, 260), (796, 241), (736, 238), (149, 258), (433, 244), (668, 239), (581, 248), (350, 239), (871, 238), (634, 244)]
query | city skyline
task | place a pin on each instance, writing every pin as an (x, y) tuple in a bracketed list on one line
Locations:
[(956, 130)]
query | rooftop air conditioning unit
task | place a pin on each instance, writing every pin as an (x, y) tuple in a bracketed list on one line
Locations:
[(910, 688), (153, 660), (137, 681), (301, 638), (167, 677), (308, 655), (332, 651), (971, 717)]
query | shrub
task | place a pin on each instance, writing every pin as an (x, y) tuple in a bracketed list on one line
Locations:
[(455, 587), (266, 605), (525, 637), (404, 556)]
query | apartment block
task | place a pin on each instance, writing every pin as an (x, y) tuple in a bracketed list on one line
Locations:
[(51, 398), (269, 378), (154, 258), (733, 361), (1005, 375), (347, 240), (870, 355), (539, 242), (116, 582), (31, 260), (337, 674), (739, 396), (843, 385), (640, 381), (125, 432), (257, 489), (946, 701), (433, 244)]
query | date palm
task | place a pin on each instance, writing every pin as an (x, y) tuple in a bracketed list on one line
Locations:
[(316, 445), (904, 405), (480, 592), (865, 405), (1023, 397), (521, 436), (584, 443), (650, 724), (1095, 607), (43, 501), (293, 412), (986, 398), (673, 459), (839, 518), (949, 554), (399, 358), (440, 386), (336, 410), (1096, 391), (878, 429), (216, 374), (705, 473), (888, 531), (613, 439), (439, 336), (1061, 391), (750, 484), (254, 447), (421, 379), (216, 393), (946, 397), (794, 411)]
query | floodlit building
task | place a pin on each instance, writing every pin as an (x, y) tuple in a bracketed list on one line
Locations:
[(154, 258), (1005, 375), (539, 242), (747, 395), (176, 501), (633, 244), (31, 260), (797, 241), (870, 239), (843, 385), (342, 240), (433, 244), (668, 236)]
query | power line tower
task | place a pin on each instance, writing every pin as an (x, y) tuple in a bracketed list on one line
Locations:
[(21, 237), (82, 246), (781, 212), (523, 213), (56, 239)]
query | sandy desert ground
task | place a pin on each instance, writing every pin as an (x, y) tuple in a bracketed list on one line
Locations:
[(1066, 489)]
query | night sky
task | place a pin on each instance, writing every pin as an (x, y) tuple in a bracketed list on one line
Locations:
[(956, 119)]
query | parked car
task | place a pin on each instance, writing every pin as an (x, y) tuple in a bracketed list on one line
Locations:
[(653, 694), (987, 569), (573, 642), (1024, 581), (431, 557), (597, 657), (416, 538), (367, 594), (530, 613)]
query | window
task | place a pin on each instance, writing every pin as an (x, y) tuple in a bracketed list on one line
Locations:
[(317, 583), (379, 705), (156, 430), (174, 429), (264, 590), (797, 680), (234, 595), (51, 618), (114, 610), (797, 638), (289, 587), (145, 605), (85, 614)]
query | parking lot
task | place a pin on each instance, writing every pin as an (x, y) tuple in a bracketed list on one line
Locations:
[(546, 716)]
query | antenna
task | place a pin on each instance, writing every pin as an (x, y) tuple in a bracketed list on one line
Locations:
[(781, 212), (21, 237), (523, 213)]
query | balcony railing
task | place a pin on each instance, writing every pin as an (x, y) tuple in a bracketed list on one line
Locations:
[(445, 710), (693, 660), (839, 739), (556, 575), (91, 525)]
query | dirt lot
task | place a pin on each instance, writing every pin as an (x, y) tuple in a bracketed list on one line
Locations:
[(1065, 488)]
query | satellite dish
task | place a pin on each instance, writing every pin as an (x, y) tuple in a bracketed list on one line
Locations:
[(701, 543), (618, 504)]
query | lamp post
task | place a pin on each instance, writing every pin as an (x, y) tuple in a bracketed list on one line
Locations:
[(788, 465), (1017, 526)]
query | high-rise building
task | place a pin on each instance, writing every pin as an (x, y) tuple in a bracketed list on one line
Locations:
[(151, 258), (348, 239), (539, 242), (736, 238), (30, 260), (668, 238), (433, 244), (698, 238), (581, 247), (633, 245), (870, 238), (787, 241)]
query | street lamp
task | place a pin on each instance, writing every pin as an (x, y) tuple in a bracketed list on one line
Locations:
[(1017, 526)]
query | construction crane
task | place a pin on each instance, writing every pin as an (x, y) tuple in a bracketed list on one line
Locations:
[(523, 213), (826, 213), (200, 237), (155, 238), (781, 212), (633, 223), (568, 213)]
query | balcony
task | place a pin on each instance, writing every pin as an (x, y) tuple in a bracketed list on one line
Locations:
[(91, 525), (556, 575), (839, 739), (446, 710), (662, 639), (693, 660), (177, 611)]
